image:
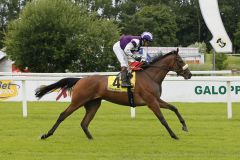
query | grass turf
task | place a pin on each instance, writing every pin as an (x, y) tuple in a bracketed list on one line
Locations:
[(211, 135)]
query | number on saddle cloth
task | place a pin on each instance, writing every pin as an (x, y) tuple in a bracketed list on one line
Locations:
[(114, 82)]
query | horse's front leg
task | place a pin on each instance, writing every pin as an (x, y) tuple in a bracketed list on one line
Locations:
[(154, 106), (166, 105)]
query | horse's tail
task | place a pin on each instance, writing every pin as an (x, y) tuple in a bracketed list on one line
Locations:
[(65, 83)]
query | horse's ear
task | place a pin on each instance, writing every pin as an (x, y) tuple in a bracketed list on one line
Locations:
[(177, 50)]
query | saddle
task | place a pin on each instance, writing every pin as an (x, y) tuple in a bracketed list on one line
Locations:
[(136, 66)]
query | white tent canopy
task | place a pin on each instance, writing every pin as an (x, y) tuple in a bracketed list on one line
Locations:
[(5, 63), (2, 55)]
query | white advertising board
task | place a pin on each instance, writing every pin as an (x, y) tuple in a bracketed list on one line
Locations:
[(199, 91), (172, 91)]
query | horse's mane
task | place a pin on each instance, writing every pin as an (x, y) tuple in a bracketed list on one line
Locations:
[(159, 57), (162, 56)]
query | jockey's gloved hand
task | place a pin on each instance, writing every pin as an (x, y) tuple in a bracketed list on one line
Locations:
[(144, 61), (137, 57)]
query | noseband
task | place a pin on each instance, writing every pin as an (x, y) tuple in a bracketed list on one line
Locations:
[(182, 69), (185, 67)]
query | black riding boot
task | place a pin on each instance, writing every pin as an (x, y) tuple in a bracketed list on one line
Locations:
[(124, 78)]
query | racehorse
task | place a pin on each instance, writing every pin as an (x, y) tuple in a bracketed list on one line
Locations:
[(89, 92)]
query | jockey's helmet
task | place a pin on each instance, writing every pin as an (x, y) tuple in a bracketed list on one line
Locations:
[(147, 36)]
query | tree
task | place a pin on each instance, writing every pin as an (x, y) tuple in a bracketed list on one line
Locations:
[(59, 36), (237, 37), (230, 13), (9, 10), (201, 46), (221, 61), (190, 24), (159, 19), (106, 8), (97, 53)]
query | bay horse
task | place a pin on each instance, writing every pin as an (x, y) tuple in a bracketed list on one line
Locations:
[(89, 91)]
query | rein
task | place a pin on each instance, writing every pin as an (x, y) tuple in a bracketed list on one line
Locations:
[(168, 68), (160, 67)]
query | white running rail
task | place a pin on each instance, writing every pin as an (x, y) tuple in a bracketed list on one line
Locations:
[(23, 77)]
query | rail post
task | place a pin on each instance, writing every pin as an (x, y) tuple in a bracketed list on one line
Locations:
[(229, 101), (24, 99), (133, 113)]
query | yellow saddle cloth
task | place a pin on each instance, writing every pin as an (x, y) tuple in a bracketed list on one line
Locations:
[(114, 83)]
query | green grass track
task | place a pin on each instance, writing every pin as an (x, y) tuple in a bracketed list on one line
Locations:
[(211, 135)]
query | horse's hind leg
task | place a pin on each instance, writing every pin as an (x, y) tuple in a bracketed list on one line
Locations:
[(91, 109), (61, 117), (166, 105)]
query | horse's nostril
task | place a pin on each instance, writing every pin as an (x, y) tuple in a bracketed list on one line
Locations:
[(190, 75)]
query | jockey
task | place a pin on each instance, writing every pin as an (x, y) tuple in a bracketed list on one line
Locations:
[(123, 50)]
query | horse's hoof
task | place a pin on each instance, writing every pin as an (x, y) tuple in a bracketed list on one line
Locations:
[(44, 136), (175, 137), (90, 138), (184, 128)]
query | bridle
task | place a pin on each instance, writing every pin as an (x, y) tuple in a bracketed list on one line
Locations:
[(180, 71), (167, 68)]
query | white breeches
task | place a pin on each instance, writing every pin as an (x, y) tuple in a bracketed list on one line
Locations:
[(121, 56)]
